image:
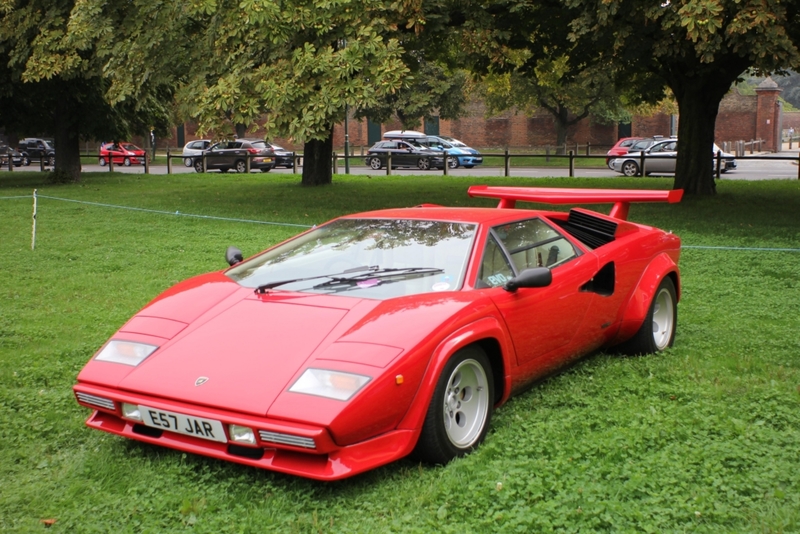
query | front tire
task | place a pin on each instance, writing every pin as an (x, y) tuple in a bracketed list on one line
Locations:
[(423, 164), (460, 410), (26, 160), (452, 162), (657, 332), (630, 168), (375, 164), (126, 162)]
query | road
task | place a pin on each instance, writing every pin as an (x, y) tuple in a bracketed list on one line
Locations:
[(759, 167)]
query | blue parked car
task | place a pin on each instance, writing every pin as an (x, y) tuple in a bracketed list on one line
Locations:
[(458, 154)]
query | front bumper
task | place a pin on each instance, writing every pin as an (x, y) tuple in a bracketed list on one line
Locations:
[(327, 461)]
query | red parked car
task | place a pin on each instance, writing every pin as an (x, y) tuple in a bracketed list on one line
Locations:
[(384, 334), (122, 154), (620, 148)]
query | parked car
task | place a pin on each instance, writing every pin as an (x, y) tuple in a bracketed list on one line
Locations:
[(621, 148), (660, 157), (37, 149), (387, 333), (227, 155), (404, 153), (122, 154), (458, 153), (194, 148), (727, 160), (8, 152), (283, 157)]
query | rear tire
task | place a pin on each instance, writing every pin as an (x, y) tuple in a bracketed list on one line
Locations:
[(198, 165), (240, 166), (460, 410), (657, 332), (187, 162), (102, 162), (423, 164)]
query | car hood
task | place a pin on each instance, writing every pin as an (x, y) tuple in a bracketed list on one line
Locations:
[(250, 348)]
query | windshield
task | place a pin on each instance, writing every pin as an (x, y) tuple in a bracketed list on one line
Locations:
[(419, 256), (130, 147)]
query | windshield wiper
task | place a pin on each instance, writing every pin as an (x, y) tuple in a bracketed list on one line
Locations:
[(264, 287), (380, 274)]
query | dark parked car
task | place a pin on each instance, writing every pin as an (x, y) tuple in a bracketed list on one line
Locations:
[(227, 155), (283, 157), (36, 149), (404, 154), (5, 152)]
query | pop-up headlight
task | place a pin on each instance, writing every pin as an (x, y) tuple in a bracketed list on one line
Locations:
[(332, 384), (125, 352)]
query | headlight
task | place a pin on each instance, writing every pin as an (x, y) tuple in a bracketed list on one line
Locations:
[(332, 384), (242, 434), (125, 352)]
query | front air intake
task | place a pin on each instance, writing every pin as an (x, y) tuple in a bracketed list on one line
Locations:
[(287, 439)]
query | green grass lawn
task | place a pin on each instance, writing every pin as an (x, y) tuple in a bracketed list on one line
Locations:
[(702, 438)]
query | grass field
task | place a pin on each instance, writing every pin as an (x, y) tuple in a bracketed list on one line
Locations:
[(703, 438)]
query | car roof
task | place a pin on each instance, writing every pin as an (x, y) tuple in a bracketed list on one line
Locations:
[(403, 134), (429, 212)]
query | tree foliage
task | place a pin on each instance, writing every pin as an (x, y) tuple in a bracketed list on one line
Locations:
[(55, 82), (698, 48)]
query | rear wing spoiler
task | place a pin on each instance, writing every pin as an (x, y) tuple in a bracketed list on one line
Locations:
[(621, 198)]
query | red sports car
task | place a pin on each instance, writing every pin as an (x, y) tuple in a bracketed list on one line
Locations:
[(122, 154), (386, 333)]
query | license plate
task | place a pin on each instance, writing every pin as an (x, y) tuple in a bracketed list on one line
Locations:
[(188, 425)]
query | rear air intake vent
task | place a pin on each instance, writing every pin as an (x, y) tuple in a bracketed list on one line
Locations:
[(591, 231)]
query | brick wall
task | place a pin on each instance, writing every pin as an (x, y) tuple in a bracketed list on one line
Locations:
[(738, 120)]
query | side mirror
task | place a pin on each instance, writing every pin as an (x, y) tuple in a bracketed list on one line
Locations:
[(233, 255), (536, 277)]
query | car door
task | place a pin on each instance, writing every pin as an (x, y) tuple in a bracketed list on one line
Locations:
[(403, 155), (217, 156), (542, 321), (661, 157)]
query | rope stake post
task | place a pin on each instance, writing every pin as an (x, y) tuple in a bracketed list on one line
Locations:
[(33, 235)]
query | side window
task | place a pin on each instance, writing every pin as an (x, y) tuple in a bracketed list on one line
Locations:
[(495, 269), (533, 243)]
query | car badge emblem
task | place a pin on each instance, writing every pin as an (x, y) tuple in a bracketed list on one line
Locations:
[(200, 381)]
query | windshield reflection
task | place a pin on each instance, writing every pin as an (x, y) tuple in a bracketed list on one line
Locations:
[(349, 244)]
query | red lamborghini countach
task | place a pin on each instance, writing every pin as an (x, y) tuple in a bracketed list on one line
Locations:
[(387, 333)]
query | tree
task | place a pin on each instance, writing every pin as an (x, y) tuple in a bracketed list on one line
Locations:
[(568, 96), (55, 83), (299, 64), (528, 61), (699, 48)]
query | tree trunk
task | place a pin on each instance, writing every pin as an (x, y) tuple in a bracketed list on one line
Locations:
[(67, 140), (317, 161), (699, 96)]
